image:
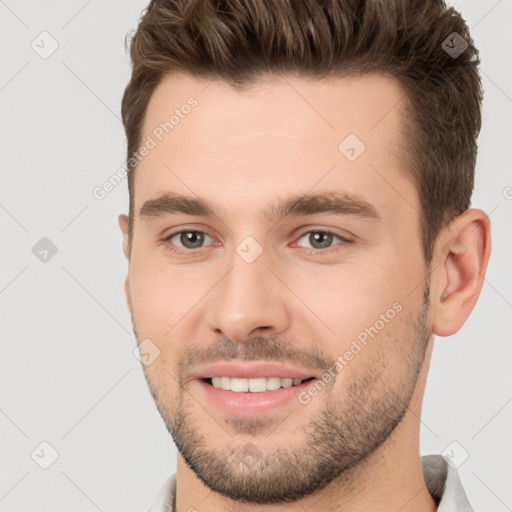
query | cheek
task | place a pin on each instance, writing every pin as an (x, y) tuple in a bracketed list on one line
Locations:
[(370, 311), (379, 361), (161, 295), (350, 299), (158, 304)]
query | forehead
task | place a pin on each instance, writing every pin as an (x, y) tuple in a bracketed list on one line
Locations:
[(278, 134)]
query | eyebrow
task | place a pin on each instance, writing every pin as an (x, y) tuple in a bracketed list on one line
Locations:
[(303, 204)]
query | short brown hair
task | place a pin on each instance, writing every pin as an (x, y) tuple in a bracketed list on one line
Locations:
[(240, 41)]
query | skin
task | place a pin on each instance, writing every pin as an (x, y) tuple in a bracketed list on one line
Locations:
[(239, 151)]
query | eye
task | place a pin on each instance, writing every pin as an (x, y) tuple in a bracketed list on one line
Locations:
[(321, 239), (187, 239)]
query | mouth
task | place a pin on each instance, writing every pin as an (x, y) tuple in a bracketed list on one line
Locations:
[(242, 389)]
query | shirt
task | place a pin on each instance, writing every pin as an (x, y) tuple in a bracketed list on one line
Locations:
[(441, 479)]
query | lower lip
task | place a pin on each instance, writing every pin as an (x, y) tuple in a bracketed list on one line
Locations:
[(246, 404)]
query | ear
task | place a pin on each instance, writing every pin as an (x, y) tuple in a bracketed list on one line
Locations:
[(459, 264), (124, 224)]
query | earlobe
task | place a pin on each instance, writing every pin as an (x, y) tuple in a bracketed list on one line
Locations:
[(124, 224), (459, 264)]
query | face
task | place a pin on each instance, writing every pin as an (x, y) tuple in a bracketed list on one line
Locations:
[(277, 274)]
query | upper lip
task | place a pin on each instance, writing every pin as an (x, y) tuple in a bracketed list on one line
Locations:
[(251, 370)]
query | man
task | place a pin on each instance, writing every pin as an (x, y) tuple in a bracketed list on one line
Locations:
[(299, 231)]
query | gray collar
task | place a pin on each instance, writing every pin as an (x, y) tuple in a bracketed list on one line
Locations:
[(441, 480)]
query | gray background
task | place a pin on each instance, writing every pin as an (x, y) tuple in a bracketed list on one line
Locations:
[(68, 374)]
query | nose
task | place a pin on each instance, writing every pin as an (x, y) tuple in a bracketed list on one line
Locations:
[(249, 301)]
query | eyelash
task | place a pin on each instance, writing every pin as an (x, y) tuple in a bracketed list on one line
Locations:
[(311, 252)]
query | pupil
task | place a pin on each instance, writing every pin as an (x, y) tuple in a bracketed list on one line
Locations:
[(323, 239), (191, 239)]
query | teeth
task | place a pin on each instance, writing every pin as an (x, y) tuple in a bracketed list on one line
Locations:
[(287, 383), (273, 383), (239, 385), (257, 385), (225, 383)]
